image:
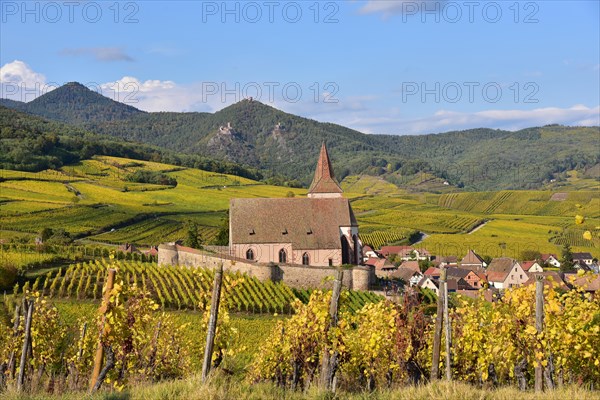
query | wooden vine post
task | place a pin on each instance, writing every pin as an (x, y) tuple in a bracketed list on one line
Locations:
[(448, 332), (330, 361), (12, 362), (212, 322), (26, 345), (539, 326), (100, 350), (437, 330)]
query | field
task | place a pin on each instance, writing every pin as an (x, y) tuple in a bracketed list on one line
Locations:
[(96, 203)]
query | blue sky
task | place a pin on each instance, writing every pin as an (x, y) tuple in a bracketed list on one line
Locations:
[(394, 67)]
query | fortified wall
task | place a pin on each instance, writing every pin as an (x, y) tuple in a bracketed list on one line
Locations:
[(297, 276)]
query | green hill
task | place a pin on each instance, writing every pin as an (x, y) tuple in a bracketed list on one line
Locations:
[(74, 103), (285, 145)]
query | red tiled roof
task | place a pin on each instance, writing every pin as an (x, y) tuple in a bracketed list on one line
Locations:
[(387, 250), (527, 265), (432, 271), (545, 257), (414, 265)]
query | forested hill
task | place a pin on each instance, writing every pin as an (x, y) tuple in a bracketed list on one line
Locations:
[(277, 143), (74, 103)]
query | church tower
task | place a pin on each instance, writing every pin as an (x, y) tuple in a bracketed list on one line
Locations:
[(324, 184)]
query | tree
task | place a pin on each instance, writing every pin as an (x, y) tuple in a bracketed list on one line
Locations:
[(8, 275), (222, 238), (193, 238), (424, 265), (487, 259), (566, 262), (530, 255), (46, 234)]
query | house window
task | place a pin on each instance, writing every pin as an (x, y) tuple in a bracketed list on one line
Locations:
[(305, 259), (331, 262), (521, 276), (249, 254), (282, 256)]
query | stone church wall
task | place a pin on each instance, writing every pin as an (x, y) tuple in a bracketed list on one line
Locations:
[(298, 276)]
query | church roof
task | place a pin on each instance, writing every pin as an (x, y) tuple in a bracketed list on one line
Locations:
[(307, 223), (324, 180)]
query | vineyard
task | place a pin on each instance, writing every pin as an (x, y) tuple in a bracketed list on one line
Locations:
[(181, 287), (574, 237), (380, 238), (378, 345), (523, 202)]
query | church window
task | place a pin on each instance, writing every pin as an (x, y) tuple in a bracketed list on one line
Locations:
[(249, 254), (305, 259), (282, 256)]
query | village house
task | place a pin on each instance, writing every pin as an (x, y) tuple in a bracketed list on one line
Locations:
[(505, 272), (368, 252), (433, 273), (550, 259), (427, 283), (319, 230), (586, 258), (580, 265), (532, 266), (472, 279), (408, 275), (383, 267), (472, 261), (446, 261)]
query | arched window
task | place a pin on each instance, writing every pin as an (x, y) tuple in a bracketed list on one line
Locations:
[(305, 259), (249, 254), (282, 256)]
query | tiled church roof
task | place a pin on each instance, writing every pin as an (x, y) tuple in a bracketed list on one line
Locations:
[(307, 223)]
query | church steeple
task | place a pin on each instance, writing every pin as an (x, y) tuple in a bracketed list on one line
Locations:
[(324, 183)]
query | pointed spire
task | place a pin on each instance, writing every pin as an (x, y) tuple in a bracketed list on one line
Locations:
[(324, 183)]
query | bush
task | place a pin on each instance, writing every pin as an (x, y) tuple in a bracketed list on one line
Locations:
[(8, 275), (153, 177)]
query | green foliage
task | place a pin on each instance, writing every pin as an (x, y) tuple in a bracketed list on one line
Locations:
[(566, 261), (8, 274), (260, 135), (193, 238), (157, 178), (29, 143)]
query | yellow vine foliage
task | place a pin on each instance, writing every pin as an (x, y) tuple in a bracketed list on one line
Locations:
[(503, 333)]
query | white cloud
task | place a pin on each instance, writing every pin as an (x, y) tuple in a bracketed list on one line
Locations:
[(19, 82), (443, 120)]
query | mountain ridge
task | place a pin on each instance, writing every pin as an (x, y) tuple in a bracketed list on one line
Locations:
[(279, 143)]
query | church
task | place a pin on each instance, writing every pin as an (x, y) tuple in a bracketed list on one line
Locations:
[(318, 230)]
